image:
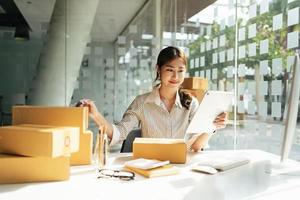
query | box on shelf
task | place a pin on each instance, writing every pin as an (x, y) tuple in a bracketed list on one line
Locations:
[(199, 94), (195, 83)]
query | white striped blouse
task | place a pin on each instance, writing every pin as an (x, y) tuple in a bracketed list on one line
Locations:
[(150, 113)]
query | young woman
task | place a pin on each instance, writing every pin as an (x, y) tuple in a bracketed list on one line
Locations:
[(165, 112)]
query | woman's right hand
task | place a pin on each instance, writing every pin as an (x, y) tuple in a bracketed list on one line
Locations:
[(93, 111)]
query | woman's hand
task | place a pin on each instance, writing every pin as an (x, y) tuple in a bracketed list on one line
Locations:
[(93, 111), (96, 116), (221, 120)]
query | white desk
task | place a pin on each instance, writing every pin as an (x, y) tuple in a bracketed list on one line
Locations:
[(250, 181)]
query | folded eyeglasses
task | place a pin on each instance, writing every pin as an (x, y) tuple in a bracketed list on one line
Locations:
[(123, 175)]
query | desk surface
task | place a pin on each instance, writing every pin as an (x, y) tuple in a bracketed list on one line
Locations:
[(251, 181)]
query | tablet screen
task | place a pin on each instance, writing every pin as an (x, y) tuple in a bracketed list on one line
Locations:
[(213, 104)]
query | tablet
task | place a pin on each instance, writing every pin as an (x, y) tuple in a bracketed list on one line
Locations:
[(213, 104)]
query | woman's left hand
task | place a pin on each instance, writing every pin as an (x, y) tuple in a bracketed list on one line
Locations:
[(221, 120)]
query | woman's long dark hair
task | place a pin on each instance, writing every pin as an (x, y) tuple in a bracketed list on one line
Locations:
[(167, 55)]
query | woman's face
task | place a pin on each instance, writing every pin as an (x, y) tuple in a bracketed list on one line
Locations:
[(172, 73)]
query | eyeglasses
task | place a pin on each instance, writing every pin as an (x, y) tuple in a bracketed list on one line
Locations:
[(123, 175)]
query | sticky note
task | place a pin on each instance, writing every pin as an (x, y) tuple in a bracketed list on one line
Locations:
[(251, 31), (252, 49), (222, 40), (231, 20), (192, 63), (215, 43), (229, 71), (277, 66), (276, 87), (202, 47), (242, 33), (263, 88), (276, 109), (264, 6), (208, 45), (197, 63), (293, 40), (230, 54), (214, 73), (208, 30), (121, 40), (264, 46), (242, 51), (222, 56), (293, 16), (208, 74), (215, 58), (252, 11), (202, 73), (277, 22), (242, 70), (263, 67), (263, 109)]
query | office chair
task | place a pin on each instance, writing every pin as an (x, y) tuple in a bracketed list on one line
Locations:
[(127, 143)]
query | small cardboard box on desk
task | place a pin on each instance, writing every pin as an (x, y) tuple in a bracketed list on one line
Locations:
[(174, 150), (60, 116)]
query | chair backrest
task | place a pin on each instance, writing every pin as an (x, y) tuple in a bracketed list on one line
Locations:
[(127, 144)]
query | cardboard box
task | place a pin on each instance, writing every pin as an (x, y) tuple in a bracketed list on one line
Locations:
[(31, 140), (52, 116), (195, 83), (199, 94), (173, 150), (84, 155), (21, 169)]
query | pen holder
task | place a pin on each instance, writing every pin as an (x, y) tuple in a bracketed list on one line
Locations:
[(101, 148)]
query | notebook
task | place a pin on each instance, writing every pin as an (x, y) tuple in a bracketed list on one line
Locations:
[(143, 163), (155, 172)]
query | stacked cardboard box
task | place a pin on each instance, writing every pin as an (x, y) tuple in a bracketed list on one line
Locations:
[(43, 142), (195, 86), (60, 116)]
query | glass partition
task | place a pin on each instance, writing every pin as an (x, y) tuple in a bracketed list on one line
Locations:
[(66, 51), (249, 47)]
